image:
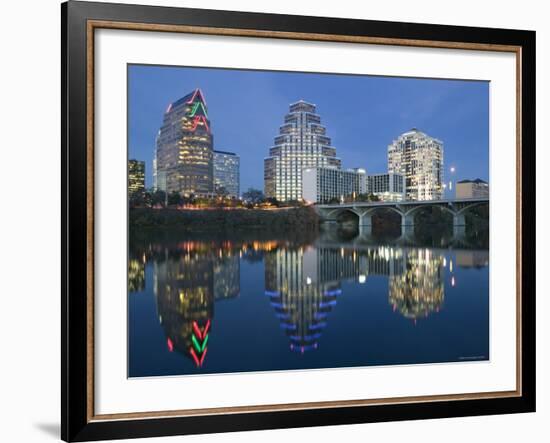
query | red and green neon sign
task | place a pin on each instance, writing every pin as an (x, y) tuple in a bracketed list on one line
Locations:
[(197, 120), (199, 342), (196, 108), (199, 92)]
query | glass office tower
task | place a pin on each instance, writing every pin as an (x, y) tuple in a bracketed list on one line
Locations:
[(184, 152), (302, 143), (226, 173)]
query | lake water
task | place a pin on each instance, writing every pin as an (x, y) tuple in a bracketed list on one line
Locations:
[(258, 302)]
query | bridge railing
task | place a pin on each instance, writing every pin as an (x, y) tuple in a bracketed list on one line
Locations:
[(404, 203)]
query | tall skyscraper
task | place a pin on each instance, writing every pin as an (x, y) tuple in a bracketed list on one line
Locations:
[(302, 143), (185, 147), (136, 176), (226, 172), (419, 158)]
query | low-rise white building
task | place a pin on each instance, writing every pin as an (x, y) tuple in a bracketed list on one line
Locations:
[(323, 184), (472, 189), (387, 187)]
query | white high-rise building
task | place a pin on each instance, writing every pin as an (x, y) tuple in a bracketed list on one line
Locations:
[(419, 158), (302, 143)]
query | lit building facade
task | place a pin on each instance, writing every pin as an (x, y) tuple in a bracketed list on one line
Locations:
[(226, 173), (184, 151), (472, 189), (302, 143), (419, 158), (387, 187), (323, 184), (136, 176)]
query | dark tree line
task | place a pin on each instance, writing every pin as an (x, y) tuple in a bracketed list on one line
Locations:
[(250, 199)]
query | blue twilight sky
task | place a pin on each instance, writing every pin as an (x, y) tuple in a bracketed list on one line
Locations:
[(362, 114)]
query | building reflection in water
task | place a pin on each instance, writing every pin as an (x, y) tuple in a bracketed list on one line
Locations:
[(186, 284), (472, 259), (136, 274), (301, 301), (419, 289), (303, 284), (227, 281)]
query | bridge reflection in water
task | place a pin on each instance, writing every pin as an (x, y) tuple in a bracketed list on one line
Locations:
[(303, 283)]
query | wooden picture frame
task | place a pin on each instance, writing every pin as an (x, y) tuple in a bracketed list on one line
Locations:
[(79, 22)]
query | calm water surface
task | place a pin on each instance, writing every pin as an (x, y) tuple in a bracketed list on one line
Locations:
[(232, 303)]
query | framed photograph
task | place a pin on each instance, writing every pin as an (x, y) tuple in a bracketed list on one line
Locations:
[(277, 221)]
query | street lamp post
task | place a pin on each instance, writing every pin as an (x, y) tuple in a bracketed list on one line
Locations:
[(452, 170)]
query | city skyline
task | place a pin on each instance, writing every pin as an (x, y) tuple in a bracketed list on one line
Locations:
[(454, 111), (350, 229)]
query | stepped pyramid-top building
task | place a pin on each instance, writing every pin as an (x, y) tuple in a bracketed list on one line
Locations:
[(302, 143), (184, 150)]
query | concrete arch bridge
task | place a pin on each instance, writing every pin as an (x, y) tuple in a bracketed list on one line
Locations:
[(406, 209)]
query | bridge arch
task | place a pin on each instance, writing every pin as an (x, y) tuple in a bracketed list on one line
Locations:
[(469, 206), (414, 210), (349, 211), (363, 215), (333, 214), (398, 211)]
